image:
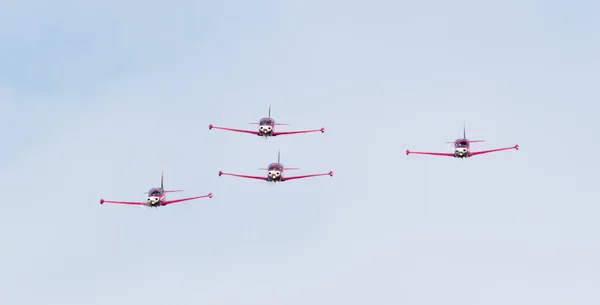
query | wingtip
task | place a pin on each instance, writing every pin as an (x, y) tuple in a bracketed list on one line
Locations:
[(517, 147), (407, 152), (101, 201), (210, 195), (331, 173), (220, 173), (210, 126), (322, 129)]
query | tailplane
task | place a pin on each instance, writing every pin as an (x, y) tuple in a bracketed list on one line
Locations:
[(254, 123), (465, 136), (285, 168)]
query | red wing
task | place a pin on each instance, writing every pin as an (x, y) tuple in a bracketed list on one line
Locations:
[(123, 202), (475, 153), (254, 132), (186, 199), (277, 133), (306, 176), (244, 176), (429, 153)]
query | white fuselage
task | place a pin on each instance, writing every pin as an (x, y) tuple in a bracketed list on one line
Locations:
[(274, 175), (265, 129), (153, 200), (461, 152)]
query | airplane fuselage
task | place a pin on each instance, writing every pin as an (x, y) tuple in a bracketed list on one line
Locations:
[(275, 172), (156, 197), (154, 201), (266, 127), (461, 148), (274, 176), (461, 152)]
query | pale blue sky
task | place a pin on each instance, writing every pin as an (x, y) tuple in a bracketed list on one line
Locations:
[(100, 96)]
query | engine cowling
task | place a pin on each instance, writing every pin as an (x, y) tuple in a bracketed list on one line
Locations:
[(265, 128)]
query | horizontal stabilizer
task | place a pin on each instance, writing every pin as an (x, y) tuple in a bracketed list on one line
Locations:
[(471, 141), (285, 168), (170, 191)]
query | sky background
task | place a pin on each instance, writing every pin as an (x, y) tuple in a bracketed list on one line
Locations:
[(100, 96)]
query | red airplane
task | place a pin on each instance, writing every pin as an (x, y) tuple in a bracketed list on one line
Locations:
[(462, 148), (275, 173), (157, 197), (266, 128)]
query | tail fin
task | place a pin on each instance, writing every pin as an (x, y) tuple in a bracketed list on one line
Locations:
[(162, 184), (279, 156), (270, 117), (465, 135)]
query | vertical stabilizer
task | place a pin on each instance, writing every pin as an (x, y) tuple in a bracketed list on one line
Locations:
[(464, 131), (279, 156), (269, 111), (162, 180)]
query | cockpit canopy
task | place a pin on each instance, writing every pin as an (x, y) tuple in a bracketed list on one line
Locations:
[(266, 121), (275, 167), (155, 192), (461, 143)]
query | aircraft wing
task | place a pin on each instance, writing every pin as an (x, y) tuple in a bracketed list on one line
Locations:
[(209, 195), (254, 132), (475, 153), (245, 176), (429, 153), (306, 176), (123, 202), (278, 133)]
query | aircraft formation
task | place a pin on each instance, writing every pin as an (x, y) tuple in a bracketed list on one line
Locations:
[(275, 171)]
